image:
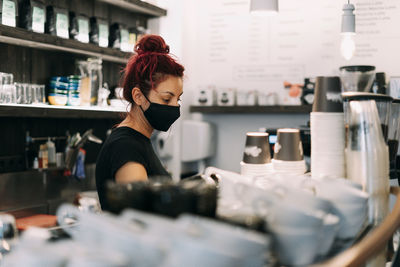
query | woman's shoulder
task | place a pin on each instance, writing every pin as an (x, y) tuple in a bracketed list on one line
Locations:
[(126, 137)]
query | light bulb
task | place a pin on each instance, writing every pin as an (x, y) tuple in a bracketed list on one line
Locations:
[(348, 46)]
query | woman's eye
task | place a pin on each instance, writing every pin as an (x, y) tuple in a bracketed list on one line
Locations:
[(166, 101)]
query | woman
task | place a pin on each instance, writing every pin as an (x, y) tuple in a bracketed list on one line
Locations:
[(153, 86)]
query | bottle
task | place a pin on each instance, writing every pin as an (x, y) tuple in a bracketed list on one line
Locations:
[(36, 163), (40, 158), (51, 150), (45, 156)]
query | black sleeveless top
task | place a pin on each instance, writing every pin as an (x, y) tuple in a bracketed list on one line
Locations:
[(125, 145)]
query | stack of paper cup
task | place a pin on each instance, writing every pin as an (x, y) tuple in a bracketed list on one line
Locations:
[(327, 144), (327, 129), (288, 153), (253, 170), (256, 156)]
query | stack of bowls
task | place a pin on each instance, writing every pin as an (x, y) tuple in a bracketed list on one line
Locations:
[(58, 93), (74, 87)]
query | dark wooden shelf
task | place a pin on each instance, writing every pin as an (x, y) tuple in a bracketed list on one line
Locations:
[(22, 37), (250, 109), (138, 6), (48, 111)]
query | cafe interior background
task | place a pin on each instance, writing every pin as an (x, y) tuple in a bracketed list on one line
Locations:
[(223, 45), (241, 70)]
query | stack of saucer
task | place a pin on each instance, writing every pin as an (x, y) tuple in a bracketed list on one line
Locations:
[(288, 153), (256, 156), (327, 129)]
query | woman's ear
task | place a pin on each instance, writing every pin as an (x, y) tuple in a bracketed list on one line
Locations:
[(137, 96)]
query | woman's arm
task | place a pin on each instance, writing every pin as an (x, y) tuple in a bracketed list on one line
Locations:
[(131, 172)]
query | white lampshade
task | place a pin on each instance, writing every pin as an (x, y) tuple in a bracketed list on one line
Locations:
[(264, 6), (348, 19)]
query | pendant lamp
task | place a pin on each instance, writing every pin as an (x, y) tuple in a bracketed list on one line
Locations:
[(264, 6), (348, 31)]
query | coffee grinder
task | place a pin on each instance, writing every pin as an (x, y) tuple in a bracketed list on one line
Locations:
[(357, 83), (357, 78)]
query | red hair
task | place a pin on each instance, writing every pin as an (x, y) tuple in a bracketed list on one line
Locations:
[(149, 66)]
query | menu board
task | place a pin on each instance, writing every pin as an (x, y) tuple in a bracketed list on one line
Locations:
[(378, 36), (245, 51)]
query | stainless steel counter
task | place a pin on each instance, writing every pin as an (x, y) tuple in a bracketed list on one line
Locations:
[(32, 192)]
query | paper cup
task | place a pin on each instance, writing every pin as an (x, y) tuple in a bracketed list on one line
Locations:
[(257, 150), (288, 146), (328, 95)]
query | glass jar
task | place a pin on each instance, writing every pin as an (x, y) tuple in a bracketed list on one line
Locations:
[(92, 79)]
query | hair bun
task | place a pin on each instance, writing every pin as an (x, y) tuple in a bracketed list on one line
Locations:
[(151, 43)]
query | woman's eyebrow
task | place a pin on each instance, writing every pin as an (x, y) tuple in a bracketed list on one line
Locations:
[(171, 93)]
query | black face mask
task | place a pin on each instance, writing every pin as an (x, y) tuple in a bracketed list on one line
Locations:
[(161, 117)]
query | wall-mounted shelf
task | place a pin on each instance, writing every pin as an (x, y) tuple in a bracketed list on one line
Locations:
[(22, 37), (251, 109), (138, 6), (48, 111)]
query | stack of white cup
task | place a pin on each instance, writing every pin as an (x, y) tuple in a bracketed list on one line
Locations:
[(327, 144)]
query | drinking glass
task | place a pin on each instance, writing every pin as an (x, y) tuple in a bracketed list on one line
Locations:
[(38, 94), (1, 86), (34, 93), (9, 93), (41, 95), (19, 88), (27, 93)]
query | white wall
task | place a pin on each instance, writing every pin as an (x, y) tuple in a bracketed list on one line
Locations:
[(233, 48)]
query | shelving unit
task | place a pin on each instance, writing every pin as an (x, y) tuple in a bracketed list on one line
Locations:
[(250, 109), (138, 6), (22, 37), (34, 58), (48, 111)]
